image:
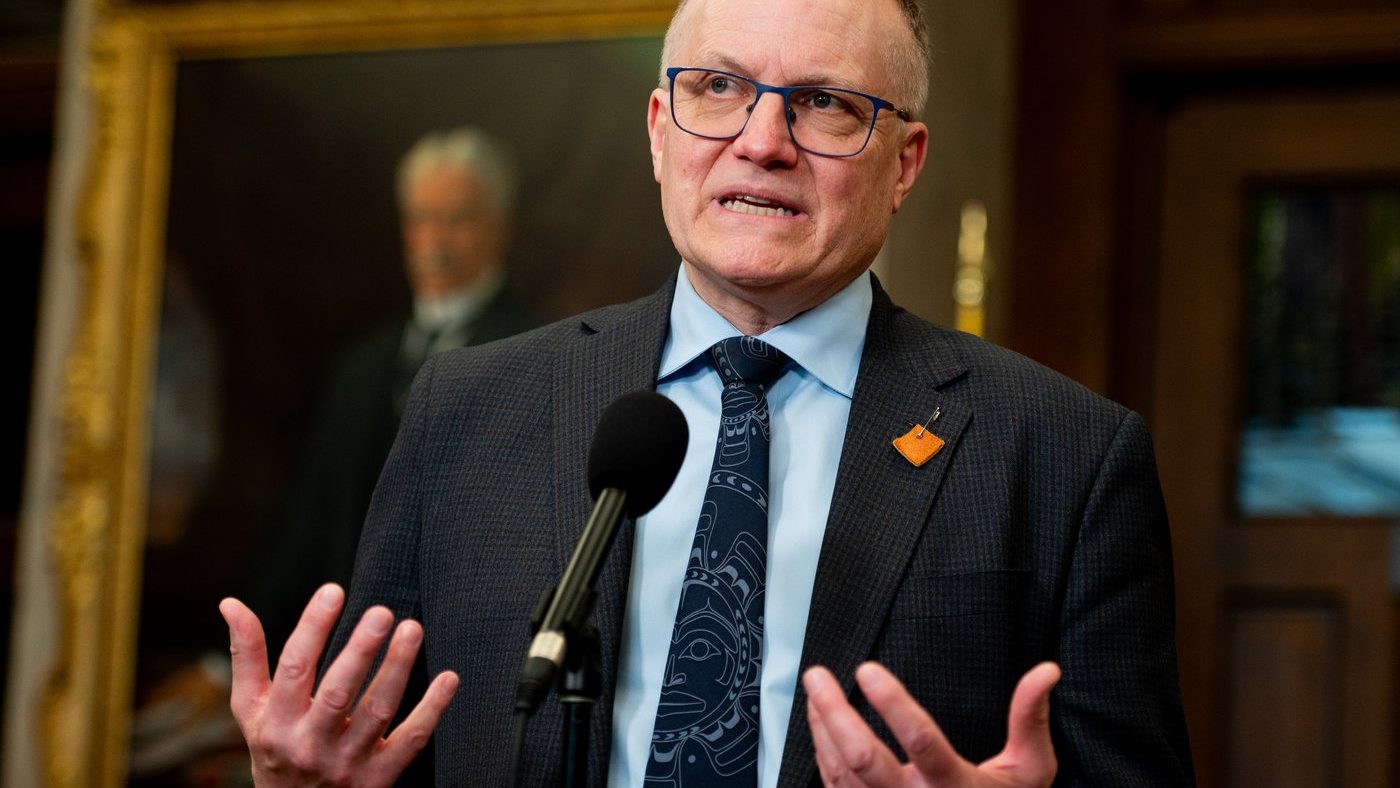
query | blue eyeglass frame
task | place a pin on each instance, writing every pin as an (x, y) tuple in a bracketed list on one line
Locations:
[(785, 92)]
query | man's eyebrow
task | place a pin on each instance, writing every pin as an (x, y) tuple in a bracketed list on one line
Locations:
[(722, 62), (828, 81), (727, 63)]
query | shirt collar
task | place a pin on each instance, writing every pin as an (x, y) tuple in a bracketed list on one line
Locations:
[(826, 340)]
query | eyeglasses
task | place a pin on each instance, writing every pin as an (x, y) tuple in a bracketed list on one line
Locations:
[(827, 121)]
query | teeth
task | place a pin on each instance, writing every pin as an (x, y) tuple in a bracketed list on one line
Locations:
[(745, 203)]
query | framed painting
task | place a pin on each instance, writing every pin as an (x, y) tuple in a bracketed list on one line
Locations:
[(239, 228)]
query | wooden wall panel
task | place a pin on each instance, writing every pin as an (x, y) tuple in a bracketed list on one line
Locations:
[(1286, 630), (1285, 688), (1061, 273)]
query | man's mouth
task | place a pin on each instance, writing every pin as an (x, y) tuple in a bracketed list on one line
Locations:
[(756, 206), (434, 263)]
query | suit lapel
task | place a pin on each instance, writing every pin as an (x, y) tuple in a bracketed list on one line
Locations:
[(618, 350), (880, 503)]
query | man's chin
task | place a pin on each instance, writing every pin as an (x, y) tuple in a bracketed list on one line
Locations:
[(750, 275), (434, 286)]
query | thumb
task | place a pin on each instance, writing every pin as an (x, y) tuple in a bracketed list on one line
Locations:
[(248, 654), (1028, 741)]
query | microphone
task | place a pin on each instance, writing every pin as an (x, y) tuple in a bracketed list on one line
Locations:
[(636, 453)]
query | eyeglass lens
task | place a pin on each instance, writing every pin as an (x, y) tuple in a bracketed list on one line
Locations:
[(827, 121)]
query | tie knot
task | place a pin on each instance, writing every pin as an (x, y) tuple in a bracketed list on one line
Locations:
[(748, 360)]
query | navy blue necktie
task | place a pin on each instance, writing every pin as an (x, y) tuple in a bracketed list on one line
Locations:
[(706, 730)]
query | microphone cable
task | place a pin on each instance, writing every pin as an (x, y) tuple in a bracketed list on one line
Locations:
[(517, 749)]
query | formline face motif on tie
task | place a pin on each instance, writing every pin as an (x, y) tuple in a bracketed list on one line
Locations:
[(707, 723)]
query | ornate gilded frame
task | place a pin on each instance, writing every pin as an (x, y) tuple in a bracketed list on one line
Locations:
[(98, 528)]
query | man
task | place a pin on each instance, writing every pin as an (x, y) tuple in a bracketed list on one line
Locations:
[(456, 191), (1034, 531)]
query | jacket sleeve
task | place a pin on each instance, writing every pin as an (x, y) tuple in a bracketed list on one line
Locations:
[(386, 563), (1117, 712)]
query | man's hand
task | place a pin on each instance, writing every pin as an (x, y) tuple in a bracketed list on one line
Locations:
[(849, 753), (297, 739)]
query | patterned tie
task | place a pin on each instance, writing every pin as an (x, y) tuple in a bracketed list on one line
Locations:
[(706, 730)]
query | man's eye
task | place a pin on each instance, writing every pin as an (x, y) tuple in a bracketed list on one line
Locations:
[(827, 102), (719, 85)]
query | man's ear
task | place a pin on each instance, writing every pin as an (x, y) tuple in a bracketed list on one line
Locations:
[(658, 120), (912, 151)]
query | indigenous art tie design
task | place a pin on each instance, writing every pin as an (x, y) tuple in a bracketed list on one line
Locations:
[(706, 730)]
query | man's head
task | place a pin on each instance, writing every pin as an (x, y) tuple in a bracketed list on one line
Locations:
[(456, 193), (762, 267)]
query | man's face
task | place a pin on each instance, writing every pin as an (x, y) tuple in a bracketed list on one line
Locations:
[(839, 207), (452, 233)]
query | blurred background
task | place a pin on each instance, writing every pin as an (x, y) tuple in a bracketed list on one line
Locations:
[(1191, 206)]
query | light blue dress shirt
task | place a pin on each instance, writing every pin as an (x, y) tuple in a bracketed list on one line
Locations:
[(810, 404)]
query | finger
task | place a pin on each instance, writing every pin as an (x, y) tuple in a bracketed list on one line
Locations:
[(923, 741), (376, 708), (1028, 740), (346, 674), (411, 736), (296, 669), (833, 770), (248, 656), (860, 751)]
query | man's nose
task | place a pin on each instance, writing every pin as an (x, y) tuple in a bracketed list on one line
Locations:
[(429, 235), (766, 140), (440, 225)]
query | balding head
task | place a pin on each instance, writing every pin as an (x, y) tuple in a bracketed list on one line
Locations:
[(908, 60)]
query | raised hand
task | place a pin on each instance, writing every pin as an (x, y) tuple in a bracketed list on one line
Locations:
[(298, 739), (850, 754)]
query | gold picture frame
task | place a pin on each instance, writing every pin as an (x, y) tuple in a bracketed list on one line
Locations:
[(98, 528)]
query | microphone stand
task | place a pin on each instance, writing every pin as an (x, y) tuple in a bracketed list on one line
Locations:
[(579, 687), (637, 449)]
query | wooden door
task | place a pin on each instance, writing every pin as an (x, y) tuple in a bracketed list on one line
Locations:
[(1286, 624)]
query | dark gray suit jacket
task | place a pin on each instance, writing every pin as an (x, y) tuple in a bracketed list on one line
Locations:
[(1037, 533), (352, 433)]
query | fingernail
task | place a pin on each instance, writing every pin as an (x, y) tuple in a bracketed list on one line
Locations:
[(869, 674), (864, 674), (378, 620), (329, 596)]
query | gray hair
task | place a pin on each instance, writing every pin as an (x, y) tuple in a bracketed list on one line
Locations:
[(909, 60), (470, 150)]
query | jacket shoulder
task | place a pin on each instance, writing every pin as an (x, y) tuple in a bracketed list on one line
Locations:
[(1004, 387)]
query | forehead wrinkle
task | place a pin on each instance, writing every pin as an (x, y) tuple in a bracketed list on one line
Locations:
[(707, 58), (826, 55), (726, 63)]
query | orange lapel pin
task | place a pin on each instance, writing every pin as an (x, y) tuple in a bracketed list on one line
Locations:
[(918, 445)]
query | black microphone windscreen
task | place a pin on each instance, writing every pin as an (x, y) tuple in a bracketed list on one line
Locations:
[(638, 448)]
